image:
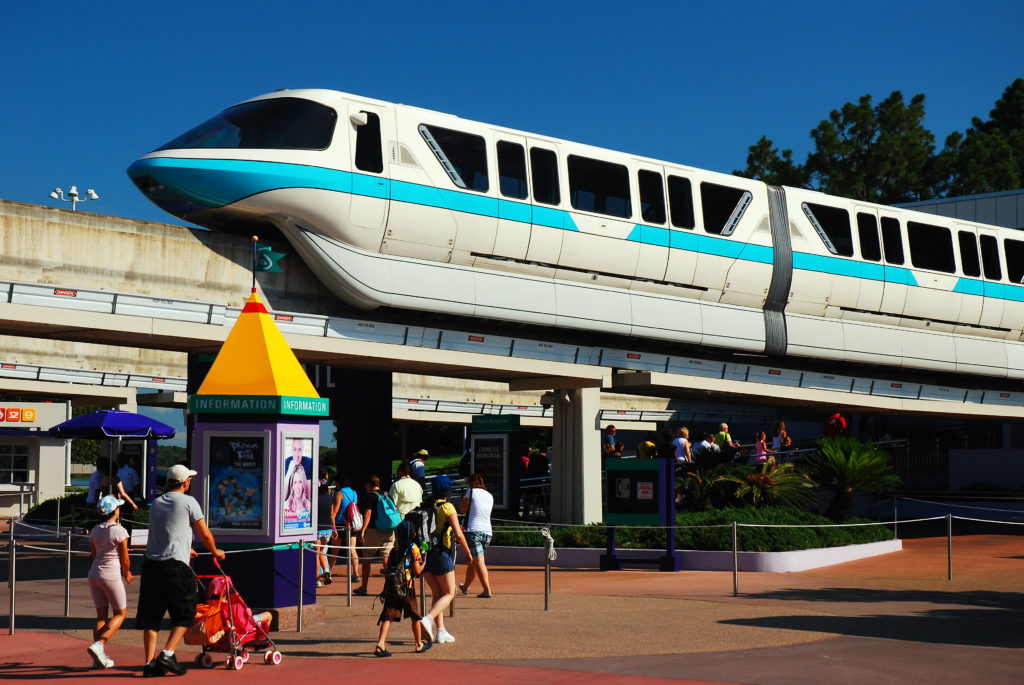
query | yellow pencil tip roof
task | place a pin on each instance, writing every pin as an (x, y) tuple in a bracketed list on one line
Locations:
[(256, 360)]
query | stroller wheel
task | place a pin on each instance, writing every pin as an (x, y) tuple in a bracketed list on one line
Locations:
[(272, 657), (205, 660), (245, 657), (235, 663)]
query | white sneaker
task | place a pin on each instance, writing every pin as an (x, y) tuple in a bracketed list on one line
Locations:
[(99, 658), (108, 662), (444, 636), (428, 625)]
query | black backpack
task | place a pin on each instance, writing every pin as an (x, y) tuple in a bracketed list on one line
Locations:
[(395, 589), (422, 520)]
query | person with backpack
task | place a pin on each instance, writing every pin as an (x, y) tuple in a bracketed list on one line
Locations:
[(404, 565), (377, 536), (440, 570), (345, 512)]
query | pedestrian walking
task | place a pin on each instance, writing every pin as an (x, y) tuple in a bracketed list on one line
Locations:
[(440, 571), (108, 548), (168, 583), (404, 564), (478, 503)]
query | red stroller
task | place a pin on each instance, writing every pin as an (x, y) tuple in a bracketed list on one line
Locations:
[(224, 623)]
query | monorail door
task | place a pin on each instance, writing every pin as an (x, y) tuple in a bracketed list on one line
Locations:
[(370, 129)]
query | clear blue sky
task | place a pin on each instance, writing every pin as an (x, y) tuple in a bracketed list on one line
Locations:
[(90, 87)]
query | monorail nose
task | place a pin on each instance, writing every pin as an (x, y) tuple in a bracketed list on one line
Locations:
[(175, 186)]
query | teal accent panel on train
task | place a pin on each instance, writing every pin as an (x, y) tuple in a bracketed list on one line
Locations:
[(704, 244), (852, 268), (968, 286)]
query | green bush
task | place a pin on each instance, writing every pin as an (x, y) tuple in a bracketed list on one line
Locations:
[(693, 531), (46, 512)]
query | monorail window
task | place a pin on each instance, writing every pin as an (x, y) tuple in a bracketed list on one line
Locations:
[(990, 258), (544, 169), (892, 240), (833, 226), (274, 124), (369, 155), (463, 156), (512, 170), (969, 253), (652, 197), (680, 202), (931, 247), (1014, 250), (602, 187), (867, 231), (723, 207)]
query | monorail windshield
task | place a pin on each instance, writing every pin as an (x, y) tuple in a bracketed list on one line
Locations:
[(276, 124)]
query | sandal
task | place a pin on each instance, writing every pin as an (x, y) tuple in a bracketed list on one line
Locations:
[(427, 644), (362, 593), (378, 651), (485, 595), (463, 589)]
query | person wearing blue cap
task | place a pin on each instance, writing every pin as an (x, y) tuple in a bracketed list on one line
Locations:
[(108, 547), (440, 570)]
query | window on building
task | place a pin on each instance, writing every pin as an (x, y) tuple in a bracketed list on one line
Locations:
[(723, 207), (652, 197), (1014, 251), (990, 258), (463, 156), (512, 170), (892, 240), (969, 254), (602, 187), (832, 225), (931, 247), (544, 169), (369, 153), (680, 202), (867, 232), (13, 463)]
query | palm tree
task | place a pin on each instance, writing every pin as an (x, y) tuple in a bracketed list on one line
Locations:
[(846, 464), (774, 483)]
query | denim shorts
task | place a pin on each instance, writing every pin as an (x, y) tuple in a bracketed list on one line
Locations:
[(478, 542), (440, 561)]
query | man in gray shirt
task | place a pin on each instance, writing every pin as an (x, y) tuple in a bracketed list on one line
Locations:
[(168, 583)]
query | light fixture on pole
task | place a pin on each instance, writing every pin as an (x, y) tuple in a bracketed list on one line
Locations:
[(73, 196)]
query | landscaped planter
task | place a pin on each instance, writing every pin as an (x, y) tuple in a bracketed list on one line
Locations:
[(693, 560)]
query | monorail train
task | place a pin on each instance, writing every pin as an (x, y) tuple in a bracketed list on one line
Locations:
[(392, 205)]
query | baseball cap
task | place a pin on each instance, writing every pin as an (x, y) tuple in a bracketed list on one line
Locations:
[(179, 473), (108, 504), (442, 484)]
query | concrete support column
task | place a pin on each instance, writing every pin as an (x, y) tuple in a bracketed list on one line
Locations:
[(576, 467), (361, 407)]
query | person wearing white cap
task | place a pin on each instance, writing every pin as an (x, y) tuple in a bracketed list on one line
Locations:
[(108, 547), (168, 584)]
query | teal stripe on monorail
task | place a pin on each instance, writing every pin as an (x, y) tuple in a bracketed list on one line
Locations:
[(852, 268), (703, 244), (998, 291)]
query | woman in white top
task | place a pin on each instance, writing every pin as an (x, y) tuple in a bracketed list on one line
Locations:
[(478, 502)]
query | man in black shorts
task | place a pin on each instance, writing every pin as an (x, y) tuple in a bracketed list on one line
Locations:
[(168, 583)]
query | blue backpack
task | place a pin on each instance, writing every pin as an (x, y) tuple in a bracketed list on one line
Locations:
[(386, 516)]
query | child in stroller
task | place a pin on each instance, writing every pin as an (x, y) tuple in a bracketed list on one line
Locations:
[(224, 623)]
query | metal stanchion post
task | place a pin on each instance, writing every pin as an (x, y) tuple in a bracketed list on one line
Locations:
[(302, 569), (949, 547), (423, 599), (349, 567), (547, 576), (12, 551), (56, 526), (67, 578), (735, 563), (895, 517)]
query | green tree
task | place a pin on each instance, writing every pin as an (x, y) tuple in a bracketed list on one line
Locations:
[(878, 154), (773, 484), (846, 465), (989, 157), (767, 163), (84, 450)]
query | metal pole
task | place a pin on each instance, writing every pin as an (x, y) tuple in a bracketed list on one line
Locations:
[(67, 578), (949, 547), (547, 577), (12, 552), (349, 567), (423, 599), (302, 573), (895, 517), (735, 563), (56, 534)]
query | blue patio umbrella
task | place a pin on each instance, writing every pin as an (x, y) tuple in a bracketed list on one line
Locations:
[(112, 423)]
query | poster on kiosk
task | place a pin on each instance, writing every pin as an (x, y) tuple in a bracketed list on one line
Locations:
[(236, 488)]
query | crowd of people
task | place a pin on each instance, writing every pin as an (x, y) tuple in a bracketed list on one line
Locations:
[(712, 447)]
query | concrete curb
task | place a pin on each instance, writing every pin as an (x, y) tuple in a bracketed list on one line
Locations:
[(693, 560)]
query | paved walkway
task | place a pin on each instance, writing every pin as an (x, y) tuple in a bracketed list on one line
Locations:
[(890, 619)]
